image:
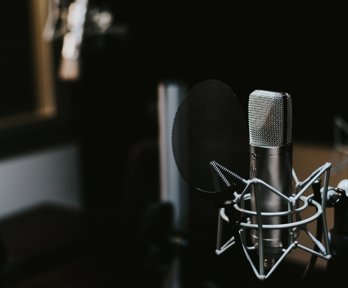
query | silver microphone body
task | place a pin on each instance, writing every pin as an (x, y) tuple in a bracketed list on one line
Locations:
[(270, 131)]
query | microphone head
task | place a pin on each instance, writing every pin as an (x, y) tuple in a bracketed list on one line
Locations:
[(270, 118)]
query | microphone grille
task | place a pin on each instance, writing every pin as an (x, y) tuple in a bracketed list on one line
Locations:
[(270, 118)]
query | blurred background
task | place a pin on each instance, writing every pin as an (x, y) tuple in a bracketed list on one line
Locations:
[(83, 108)]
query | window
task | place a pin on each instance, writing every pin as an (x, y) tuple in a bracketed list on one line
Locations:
[(28, 93)]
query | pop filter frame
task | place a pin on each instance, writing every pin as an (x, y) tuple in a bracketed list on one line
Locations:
[(255, 253)]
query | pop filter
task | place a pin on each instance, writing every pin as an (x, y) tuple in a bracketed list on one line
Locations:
[(210, 125)]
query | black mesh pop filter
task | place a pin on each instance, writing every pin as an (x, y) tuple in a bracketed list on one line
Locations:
[(210, 125)]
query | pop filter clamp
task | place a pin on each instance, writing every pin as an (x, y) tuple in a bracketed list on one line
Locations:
[(297, 203)]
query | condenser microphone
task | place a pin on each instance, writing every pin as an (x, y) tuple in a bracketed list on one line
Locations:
[(266, 213), (270, 139)]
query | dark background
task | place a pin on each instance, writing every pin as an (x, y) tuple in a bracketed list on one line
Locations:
[(282, 48), (111, 110)]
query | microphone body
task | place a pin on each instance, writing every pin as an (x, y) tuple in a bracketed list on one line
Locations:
[(270, 131)]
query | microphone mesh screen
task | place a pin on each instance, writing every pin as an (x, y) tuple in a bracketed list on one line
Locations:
[(270, 118)]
